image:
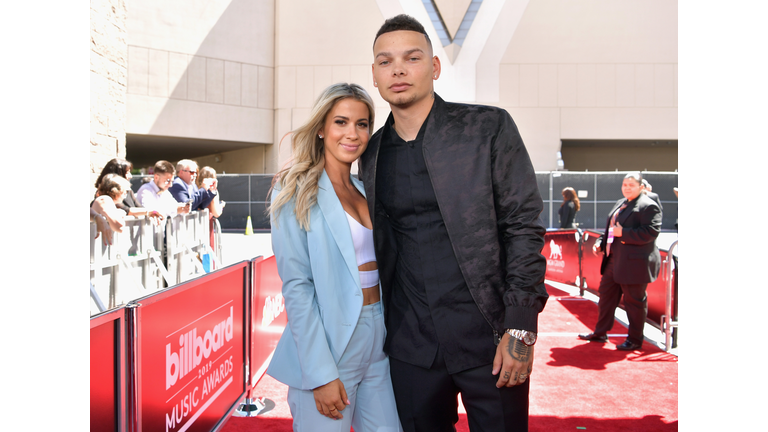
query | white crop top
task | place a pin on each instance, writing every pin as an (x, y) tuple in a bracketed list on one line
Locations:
[(362, 238)]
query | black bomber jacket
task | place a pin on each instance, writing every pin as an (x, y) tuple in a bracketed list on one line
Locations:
[(488, 196)]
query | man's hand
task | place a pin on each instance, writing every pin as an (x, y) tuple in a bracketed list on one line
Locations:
[(595, 250), (513, 362), (617, 230), (331, 399)]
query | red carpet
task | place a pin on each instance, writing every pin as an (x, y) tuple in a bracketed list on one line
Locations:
[(575, 385)]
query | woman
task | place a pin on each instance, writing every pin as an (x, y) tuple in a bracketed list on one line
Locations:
[(331, 352), (568, 208), (111, 192), (129, 204), (216, 206)]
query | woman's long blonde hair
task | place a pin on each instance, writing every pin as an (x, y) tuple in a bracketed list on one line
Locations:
[(299, 180)]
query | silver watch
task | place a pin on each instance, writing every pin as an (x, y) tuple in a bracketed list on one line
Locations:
[(527, 337)]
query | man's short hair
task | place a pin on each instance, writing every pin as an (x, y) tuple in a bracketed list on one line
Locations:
[(636, 176), (163, 167), (402, 22), (184, 164)]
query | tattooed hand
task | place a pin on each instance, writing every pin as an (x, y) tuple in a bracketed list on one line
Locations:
[(513, 362)]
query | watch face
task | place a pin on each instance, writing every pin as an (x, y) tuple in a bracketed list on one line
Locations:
[(529, 338)]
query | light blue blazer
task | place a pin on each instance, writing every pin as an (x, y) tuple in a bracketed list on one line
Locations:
[(321, 289)]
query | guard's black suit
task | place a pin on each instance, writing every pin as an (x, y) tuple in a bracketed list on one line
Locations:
[(633, 263)]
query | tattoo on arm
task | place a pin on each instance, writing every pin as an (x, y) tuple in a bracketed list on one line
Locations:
[(518, 350)]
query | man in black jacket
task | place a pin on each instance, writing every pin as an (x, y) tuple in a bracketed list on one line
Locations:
[(455, 209), (631, 261)]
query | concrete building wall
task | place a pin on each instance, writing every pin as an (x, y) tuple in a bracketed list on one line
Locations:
[(201, 69), (248, 71), (595, 69), (108, 81)]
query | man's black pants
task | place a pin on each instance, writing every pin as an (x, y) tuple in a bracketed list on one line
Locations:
[(427, 398)]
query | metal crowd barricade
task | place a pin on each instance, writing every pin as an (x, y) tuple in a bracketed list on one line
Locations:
[(667, 320), (187, 242), (146, 257), (132, 266)]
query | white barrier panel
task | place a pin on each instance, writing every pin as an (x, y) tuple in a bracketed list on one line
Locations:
[(145, 258)]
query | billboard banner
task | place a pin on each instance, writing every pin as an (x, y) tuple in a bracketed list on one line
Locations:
[(107, 371), (190, 349), (268, 318), (561, 249)]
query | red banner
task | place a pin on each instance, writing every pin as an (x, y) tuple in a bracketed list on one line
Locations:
[(268, 318), (191, 368), (561, 249), (107, 363)]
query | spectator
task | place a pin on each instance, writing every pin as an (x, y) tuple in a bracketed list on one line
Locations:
[(130, 204), (648, 190), (154, 195), (568, 208), (184, 188), (112, 191), (207, 177)]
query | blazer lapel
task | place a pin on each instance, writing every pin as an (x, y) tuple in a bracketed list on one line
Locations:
[(626, 212), (338, 225)]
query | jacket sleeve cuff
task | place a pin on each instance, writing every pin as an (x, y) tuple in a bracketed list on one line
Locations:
[(522, 318)]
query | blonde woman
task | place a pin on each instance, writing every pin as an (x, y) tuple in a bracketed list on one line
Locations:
[(331, 354), (216, 207)]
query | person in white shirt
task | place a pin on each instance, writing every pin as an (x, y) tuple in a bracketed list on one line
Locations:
[(154, 195)]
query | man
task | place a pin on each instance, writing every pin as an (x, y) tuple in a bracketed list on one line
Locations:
[(184, 188), (455, 209), (631, 261), (648, 191), (154, 195)]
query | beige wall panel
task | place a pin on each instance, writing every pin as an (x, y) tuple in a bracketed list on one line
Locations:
[(249, 92), (234, 30), (596, 31), (278, 155), (158, 73), (529, 85), (605, 85), (299, 116), (323, 78), (312, 33), (181, 118), (625, 85), (361, 75), (340, 74), (266, 87), (547, 85), (539, 129), (196, 78), (509, 85), (663, 85), (674, 86), (618, 123), (177, 74), (286, 87), (305, 93), (567, 85), (644, 93), (138, 70), (232, 83), (214, 80), (586, 92)]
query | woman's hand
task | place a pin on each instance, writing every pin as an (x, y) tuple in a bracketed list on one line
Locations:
[(331, 399)]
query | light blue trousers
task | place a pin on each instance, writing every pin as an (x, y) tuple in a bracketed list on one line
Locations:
[(364, 371)]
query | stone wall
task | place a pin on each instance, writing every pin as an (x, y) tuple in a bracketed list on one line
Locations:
[(109, 66)]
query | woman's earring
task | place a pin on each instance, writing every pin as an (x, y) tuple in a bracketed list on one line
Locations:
[(319, 136)]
